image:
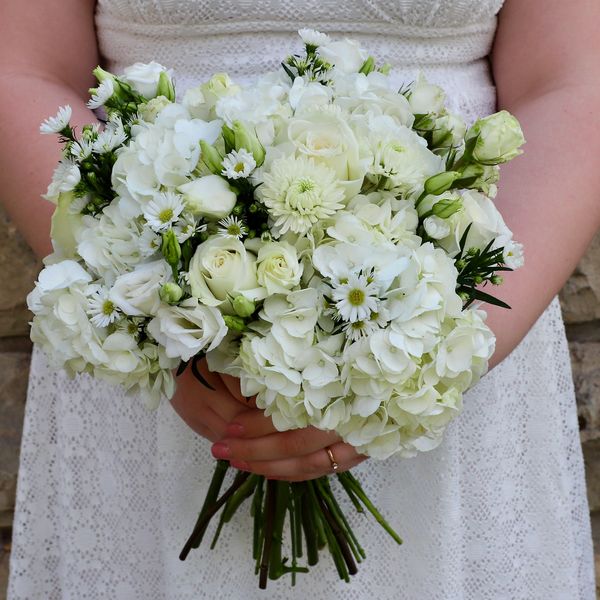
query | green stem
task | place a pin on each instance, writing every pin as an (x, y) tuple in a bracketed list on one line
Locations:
[(257, 513), (268, 534), (309, 527), (282, 500)]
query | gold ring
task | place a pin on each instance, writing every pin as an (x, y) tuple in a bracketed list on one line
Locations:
[(334, 465)]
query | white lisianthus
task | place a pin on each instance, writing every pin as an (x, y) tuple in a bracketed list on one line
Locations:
[(305, 95), (298, 193), (209, 196), (499, 138), (278, 269), (187, 329), (151, 109), (57, 123), (436, 228), (222, 266), (137, 293), (425, 97), (312, 37), (513, 255), (345, 55), (66, 225), (238, 164), (144, 77)]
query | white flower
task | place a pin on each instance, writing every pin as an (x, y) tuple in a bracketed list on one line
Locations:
[(356, 299), (307, 94), (103, 93), (209, 196), (345, 55), (102, 310), (425, 97), (163, 211), (113, 136), (187, 329), (186, 227), (57, 123), (499, 137), (436, 228), (513, 255), (143, 78), (311, 37), (82, 149), (298, 193), (238, 164), (149, 242), (221, 266), (278, 267), (64, 179), (232, 227), (356, 330), (137, 293)]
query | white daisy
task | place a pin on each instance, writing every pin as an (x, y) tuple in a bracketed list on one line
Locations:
[(109, 139), (232, 227), (149, 242), (299, 192), (81, 149), (186, 227), (359, 329), (163, 211), (59, 122), (312, 37), (102, 310), (238, 163), (103, 92), (355, 299)]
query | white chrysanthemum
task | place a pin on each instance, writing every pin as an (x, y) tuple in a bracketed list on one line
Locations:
[(186, 227), (238, 164), (103, 92), (163, 210), (57, 123), (81, 150), (356, 299), (312, 37), (102, 310), (108, 140), (359, 329), (232, 227), (299, 192)]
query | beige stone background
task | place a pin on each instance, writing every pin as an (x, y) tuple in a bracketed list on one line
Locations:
[(18, 269)]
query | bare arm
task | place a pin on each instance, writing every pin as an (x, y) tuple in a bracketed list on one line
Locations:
[(47, 53), (547, 72)]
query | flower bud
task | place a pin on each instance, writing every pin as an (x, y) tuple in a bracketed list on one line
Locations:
[(170, 293), (242, 306), (170, 248), (211, 157), (165, 86), (447, 207), (440, 183), (436, 228), (368, 66), (234, 323), (249, 141), (497, 279), (498, 138)]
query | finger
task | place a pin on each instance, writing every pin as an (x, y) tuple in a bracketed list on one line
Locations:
[(251, 424), (280, 445), (302, 468), (233, 385), (200, 417)]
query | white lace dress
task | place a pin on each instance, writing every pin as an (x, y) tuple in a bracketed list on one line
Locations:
[(108, 491)]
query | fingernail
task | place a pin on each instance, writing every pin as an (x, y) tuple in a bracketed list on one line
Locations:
[(242, 465), (220, 450), (234, 430)]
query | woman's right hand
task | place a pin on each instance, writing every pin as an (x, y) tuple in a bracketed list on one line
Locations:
[(206, 411)]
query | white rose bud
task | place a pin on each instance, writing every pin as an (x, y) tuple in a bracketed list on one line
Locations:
[(137, 293), (436, 228), (499, 138), (278, 268), (209, 196), (144, 78), (186, 330), (425, 97), (220, 267)]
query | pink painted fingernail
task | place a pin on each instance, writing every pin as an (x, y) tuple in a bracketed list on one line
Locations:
[(242, 465), (234, 430), (220, 450)]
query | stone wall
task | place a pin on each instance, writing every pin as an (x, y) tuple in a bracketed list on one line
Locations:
[(18, 268)]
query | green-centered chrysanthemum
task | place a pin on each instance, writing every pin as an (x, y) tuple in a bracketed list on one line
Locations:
[(299, 193)]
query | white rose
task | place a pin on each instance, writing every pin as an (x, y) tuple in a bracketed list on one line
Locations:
[(425, 97), (143, 77), (187, 329), (436, 228), (222, 266), (304, 95), (499, 137), (209, 196), (345, 55), (278, 268), (137, 293)]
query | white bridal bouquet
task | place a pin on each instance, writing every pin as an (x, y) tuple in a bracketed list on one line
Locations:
[(319, 234)]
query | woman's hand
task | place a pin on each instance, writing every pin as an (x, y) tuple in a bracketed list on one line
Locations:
[(206, 411), (252, 443)]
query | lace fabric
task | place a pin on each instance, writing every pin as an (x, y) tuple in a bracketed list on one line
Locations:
[(108, 491)]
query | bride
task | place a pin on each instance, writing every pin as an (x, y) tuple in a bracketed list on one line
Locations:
[(108, 491)]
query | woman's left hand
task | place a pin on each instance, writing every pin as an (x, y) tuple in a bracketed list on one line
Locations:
[(253, 444)]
